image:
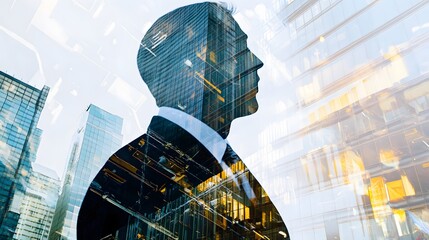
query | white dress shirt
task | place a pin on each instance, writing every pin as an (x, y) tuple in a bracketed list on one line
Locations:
[(203, 133)]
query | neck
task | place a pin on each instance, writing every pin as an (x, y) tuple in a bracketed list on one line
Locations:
[(222, 130)]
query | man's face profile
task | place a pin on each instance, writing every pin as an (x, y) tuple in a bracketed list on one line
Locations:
[(196, 59)]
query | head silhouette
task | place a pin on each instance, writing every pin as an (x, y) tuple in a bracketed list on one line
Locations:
[(196, 59)]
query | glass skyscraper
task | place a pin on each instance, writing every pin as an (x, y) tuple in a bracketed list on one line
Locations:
[(96, 139), (20, 109), (352, 159), (38, 207)]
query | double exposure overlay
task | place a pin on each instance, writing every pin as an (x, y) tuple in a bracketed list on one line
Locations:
[(153, 119), (182, 180)]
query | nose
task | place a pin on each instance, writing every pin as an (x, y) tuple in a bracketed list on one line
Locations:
[(256, 61)]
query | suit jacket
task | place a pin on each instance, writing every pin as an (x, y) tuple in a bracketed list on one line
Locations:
[(144, 175)]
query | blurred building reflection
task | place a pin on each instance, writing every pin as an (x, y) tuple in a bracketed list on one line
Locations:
[(38, 206), (355, 156), (98, 136)]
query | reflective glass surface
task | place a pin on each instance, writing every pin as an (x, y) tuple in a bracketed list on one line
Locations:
[(20, 108), (98, 136)]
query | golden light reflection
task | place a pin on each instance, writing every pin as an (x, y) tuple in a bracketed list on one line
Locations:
[(378, 79), (400, 214), (381, 193), (408, 187), (351, 165), (201, 53), (395, 190), (378, 198), (310, 91), (389, 158), (213, 57), (208, 82), (397, 66), (237, 167)]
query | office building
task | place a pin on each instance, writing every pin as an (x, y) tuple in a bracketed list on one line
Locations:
[(96, 139), (351, 159), (20, 109), (38, 206)]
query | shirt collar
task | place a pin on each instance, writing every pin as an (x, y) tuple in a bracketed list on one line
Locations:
[(201, 131)]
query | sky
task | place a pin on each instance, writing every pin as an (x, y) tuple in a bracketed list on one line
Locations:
[(85, 51)]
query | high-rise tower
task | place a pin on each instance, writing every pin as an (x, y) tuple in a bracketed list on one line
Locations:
[(96, 139), (20, 108)]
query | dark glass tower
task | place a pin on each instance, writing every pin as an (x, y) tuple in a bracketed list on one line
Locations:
[(20, 108)]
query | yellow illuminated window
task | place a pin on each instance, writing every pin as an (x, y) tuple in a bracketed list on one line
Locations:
[(388, 157), (312, 117), (220, 98), (322, 112), (377, 194), (408, 187), (344, 101), (213, 57), (221, 119), (333, 105), (246, 213), (353, 95), (396, 190)]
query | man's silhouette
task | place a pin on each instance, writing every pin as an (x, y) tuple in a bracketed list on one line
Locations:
[(196, 64)]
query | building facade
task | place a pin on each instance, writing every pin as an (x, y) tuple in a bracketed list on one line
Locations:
[(20, 109), (38, 206), (352, 156), (97, 138)]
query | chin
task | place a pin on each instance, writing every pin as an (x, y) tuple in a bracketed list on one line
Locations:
[(252, 107)]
